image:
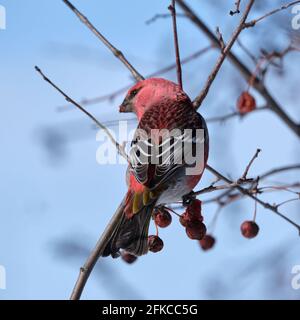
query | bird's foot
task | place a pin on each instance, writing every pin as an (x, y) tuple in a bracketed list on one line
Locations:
[(186, 199)]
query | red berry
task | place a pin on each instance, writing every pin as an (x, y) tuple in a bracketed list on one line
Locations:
[(189, 217), (207, 242), (249, 229), (184, 218), (155, 243), (246, 103), (162, 218), (195, 207), (129, 258), (196, 230)]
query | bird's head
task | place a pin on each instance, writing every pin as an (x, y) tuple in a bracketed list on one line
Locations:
[(149, 92)]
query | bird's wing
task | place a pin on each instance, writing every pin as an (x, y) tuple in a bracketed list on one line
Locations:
[(155, 157)]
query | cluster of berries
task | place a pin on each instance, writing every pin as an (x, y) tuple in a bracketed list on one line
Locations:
[(162, 219), (192, 220)]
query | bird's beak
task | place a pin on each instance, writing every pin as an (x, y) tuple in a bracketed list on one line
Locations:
[(126, 106)]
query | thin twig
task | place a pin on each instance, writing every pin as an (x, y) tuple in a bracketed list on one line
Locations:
[(247, 51), (220, 38), (244, 70), (229, 195), (99, 124), (212, 188), (199, 99), (244, 176), (268, 59), (255, 211), (237, 8), (163, 16), (249, 194), (113, 95), (117, 53), (172, 8), (233, 115), (286, 201), (86, 270), (253, 22), (279, 170)]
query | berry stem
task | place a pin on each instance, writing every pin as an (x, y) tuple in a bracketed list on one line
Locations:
[(255, 211), (177, 214), (156, 227)]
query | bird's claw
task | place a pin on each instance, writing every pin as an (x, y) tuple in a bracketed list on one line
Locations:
[(186, 199)]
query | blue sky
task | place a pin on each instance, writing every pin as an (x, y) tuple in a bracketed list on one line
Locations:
[(49, 200)]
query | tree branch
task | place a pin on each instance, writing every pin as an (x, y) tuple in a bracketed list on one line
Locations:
[(247, 193), (224, 51), (117, 53), (253, 22), (98, 123), (113, 95), (244, 177), (234, 114), (102, 242), (259, 86), (87, 268), (237, 8), (172, 8)]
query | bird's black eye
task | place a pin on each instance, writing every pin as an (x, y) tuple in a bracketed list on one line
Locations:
[(133, 93)]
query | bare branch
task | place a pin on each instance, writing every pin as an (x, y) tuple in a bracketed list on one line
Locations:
[(163, 16), (227, 196), (259, 86), (233, 115), (199, 99), (172, 9), (279, 170), (117, 53), (99, 124), (250, 164), (247, 51), (286, 201), (237, 8), (253, 22), (212, 188), (249, 194), (220, 38), (113, 95), (86, 270)]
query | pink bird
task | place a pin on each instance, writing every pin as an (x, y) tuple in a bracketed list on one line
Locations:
[(158, 104)]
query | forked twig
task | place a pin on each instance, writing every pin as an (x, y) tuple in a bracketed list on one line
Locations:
[(199, 99), (247, 193), (272, 104), (253, 22)]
